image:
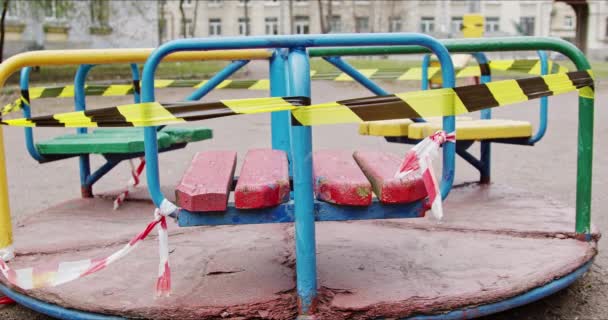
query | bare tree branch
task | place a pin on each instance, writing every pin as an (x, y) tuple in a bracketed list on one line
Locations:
[(2, 28)]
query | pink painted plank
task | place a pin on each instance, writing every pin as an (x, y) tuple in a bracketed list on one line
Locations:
[(263, 181), (205, 186), (338, 179), (380, 168)]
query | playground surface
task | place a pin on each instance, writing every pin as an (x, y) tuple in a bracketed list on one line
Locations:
[(548, 169)]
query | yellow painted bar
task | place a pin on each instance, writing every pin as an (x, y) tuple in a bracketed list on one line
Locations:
[(106, 56), (91, 56), (6, 230)]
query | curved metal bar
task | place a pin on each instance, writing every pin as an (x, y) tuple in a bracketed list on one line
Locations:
[(289, 42), (544, 101), (53, 310), (466, 313), (24, 86), (113, 56), (514, 302)]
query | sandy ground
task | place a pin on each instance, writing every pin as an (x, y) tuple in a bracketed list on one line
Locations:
[(549, 167)]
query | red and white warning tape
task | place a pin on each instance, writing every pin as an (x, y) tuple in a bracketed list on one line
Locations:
[(419, 159), (51, 275), (133, 182), (6, 300)]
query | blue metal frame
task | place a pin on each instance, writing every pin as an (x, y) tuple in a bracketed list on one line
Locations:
[(88, 178), (483, 164), (280, 120), (299, 83)]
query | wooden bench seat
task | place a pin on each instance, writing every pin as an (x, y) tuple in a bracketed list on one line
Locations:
[(338, 179), (263, 181), (206, 184), (380, 168)]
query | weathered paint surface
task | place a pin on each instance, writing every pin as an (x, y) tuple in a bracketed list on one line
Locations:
[(338, 179), (205, 185), (487, 249), (380, 168), (263, 181)]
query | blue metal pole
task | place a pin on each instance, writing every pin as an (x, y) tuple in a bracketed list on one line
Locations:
[(356, 75), (136, 89), (544, 101), (485, 156), (289, 41), (306, 261), (24, 85), (217, 79), (80, 105), (280, 120), (426, 61)]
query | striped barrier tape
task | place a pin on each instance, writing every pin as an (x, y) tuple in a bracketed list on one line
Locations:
[(417, 104), (133, 182), (419, 161), (414, 73), (56, 274)]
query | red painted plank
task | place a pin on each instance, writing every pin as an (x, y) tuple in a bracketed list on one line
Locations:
[(263, 181), (339, 180), (380, 168), (205, 186)]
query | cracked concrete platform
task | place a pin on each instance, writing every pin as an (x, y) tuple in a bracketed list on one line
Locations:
[(495, 242)]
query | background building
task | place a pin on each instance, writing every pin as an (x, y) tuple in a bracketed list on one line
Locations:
[(59, 24), (54, 24), (441, 18)]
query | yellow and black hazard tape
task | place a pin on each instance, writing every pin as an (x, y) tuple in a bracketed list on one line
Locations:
[(418, 104), (414, 73)]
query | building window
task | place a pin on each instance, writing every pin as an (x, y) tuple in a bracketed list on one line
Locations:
[(302, 25), (100, 12), (215, 27), (427, 24), (394, 24), (362, 24), (492, 24), (272, 25), (244, 26), (186, 27), (55, 9), (242, 2), (568, 22), (526, 25), (335, 24), (188, 3), (13, 11), (456, 24), (272, 2), (214, 3)]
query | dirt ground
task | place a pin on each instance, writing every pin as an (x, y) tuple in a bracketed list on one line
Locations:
[(550, 167)]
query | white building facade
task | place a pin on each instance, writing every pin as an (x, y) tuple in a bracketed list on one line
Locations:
[(439, 18), (60, 24)]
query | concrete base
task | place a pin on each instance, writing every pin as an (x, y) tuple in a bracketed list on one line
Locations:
[(494, 243)]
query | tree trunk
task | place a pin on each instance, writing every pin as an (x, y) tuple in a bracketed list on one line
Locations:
[(245, 6), (329, 16), (322, 16), (290, 16), (2, 29), (183, 16), (194, 18)]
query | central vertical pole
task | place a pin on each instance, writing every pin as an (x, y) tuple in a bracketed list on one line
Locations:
[(306, 261), (6, 228)]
